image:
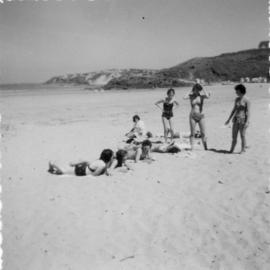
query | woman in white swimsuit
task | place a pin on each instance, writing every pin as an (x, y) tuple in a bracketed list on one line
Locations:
[(196, 97)]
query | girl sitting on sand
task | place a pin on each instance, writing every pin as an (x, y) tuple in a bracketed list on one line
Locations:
[(95, 168), (241, 116), (167, 112), (196, 97), (138, 128)]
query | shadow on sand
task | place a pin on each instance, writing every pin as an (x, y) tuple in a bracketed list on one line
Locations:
[(220, 151)]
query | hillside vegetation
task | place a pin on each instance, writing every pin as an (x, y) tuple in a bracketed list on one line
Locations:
[(225, 67)]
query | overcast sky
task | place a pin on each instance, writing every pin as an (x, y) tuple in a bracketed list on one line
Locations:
[(40, 39)]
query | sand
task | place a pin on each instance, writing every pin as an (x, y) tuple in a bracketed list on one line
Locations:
[(207, 210)]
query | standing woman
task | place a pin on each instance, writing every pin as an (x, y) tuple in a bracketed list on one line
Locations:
[(167, 112), (241, 116), (196, 97)]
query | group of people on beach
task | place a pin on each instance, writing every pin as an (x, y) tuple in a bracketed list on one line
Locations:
[(140, 143)]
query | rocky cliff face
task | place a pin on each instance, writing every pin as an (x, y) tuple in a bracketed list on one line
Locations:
[(225, 67)]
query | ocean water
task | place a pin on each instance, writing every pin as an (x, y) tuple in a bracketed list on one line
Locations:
[(36, 89), (33, 86)]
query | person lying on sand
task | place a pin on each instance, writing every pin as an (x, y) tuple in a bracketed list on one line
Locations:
[(136, 153), (120, 162), (138, 128), (241, 116), (169, 148), (149, 136), (95, 168)]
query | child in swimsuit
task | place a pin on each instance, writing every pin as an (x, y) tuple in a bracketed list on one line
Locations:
[(167, 112), (196, 97), (95, 168), (241, 115)]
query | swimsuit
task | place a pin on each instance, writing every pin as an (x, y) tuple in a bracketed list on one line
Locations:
[(197, 116), (167, 110), (240, 116), (80, 169)]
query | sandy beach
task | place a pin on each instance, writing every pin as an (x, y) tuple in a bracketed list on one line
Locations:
[(207, 210)]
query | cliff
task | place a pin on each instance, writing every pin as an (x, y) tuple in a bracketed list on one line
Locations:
[(225, 67)]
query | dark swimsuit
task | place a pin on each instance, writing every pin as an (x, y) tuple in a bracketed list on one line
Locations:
[(241, 113), (80, 169), (167, 110)]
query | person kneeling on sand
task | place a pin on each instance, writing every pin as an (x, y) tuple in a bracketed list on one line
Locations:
[(138, 129), (95, 168)]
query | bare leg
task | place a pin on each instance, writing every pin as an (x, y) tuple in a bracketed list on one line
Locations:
[(159, 149), (165, 128), (171, 128), (192, 124), (235, 129), (53, 169), (243, 138), (138, 154), (203, 134)]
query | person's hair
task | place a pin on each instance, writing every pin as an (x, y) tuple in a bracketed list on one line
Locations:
[(120, 154), (136, 117), (173, 150), (170, 90), (106, 155), (149, 134), (241, 88), (197, 86), (146, 143)]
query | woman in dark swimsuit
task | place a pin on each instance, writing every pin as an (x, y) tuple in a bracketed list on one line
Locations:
[(196, 97), (167, 112), (241, 115)]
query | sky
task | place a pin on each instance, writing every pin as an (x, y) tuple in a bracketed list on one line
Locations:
[(41, 39)]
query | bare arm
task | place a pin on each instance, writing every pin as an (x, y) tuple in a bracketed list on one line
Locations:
[(187, 95), (114, 164), (205, 94), (231, 115), (159, 102), (138, 154), (176, 103), (248, 112), (99, 171)]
